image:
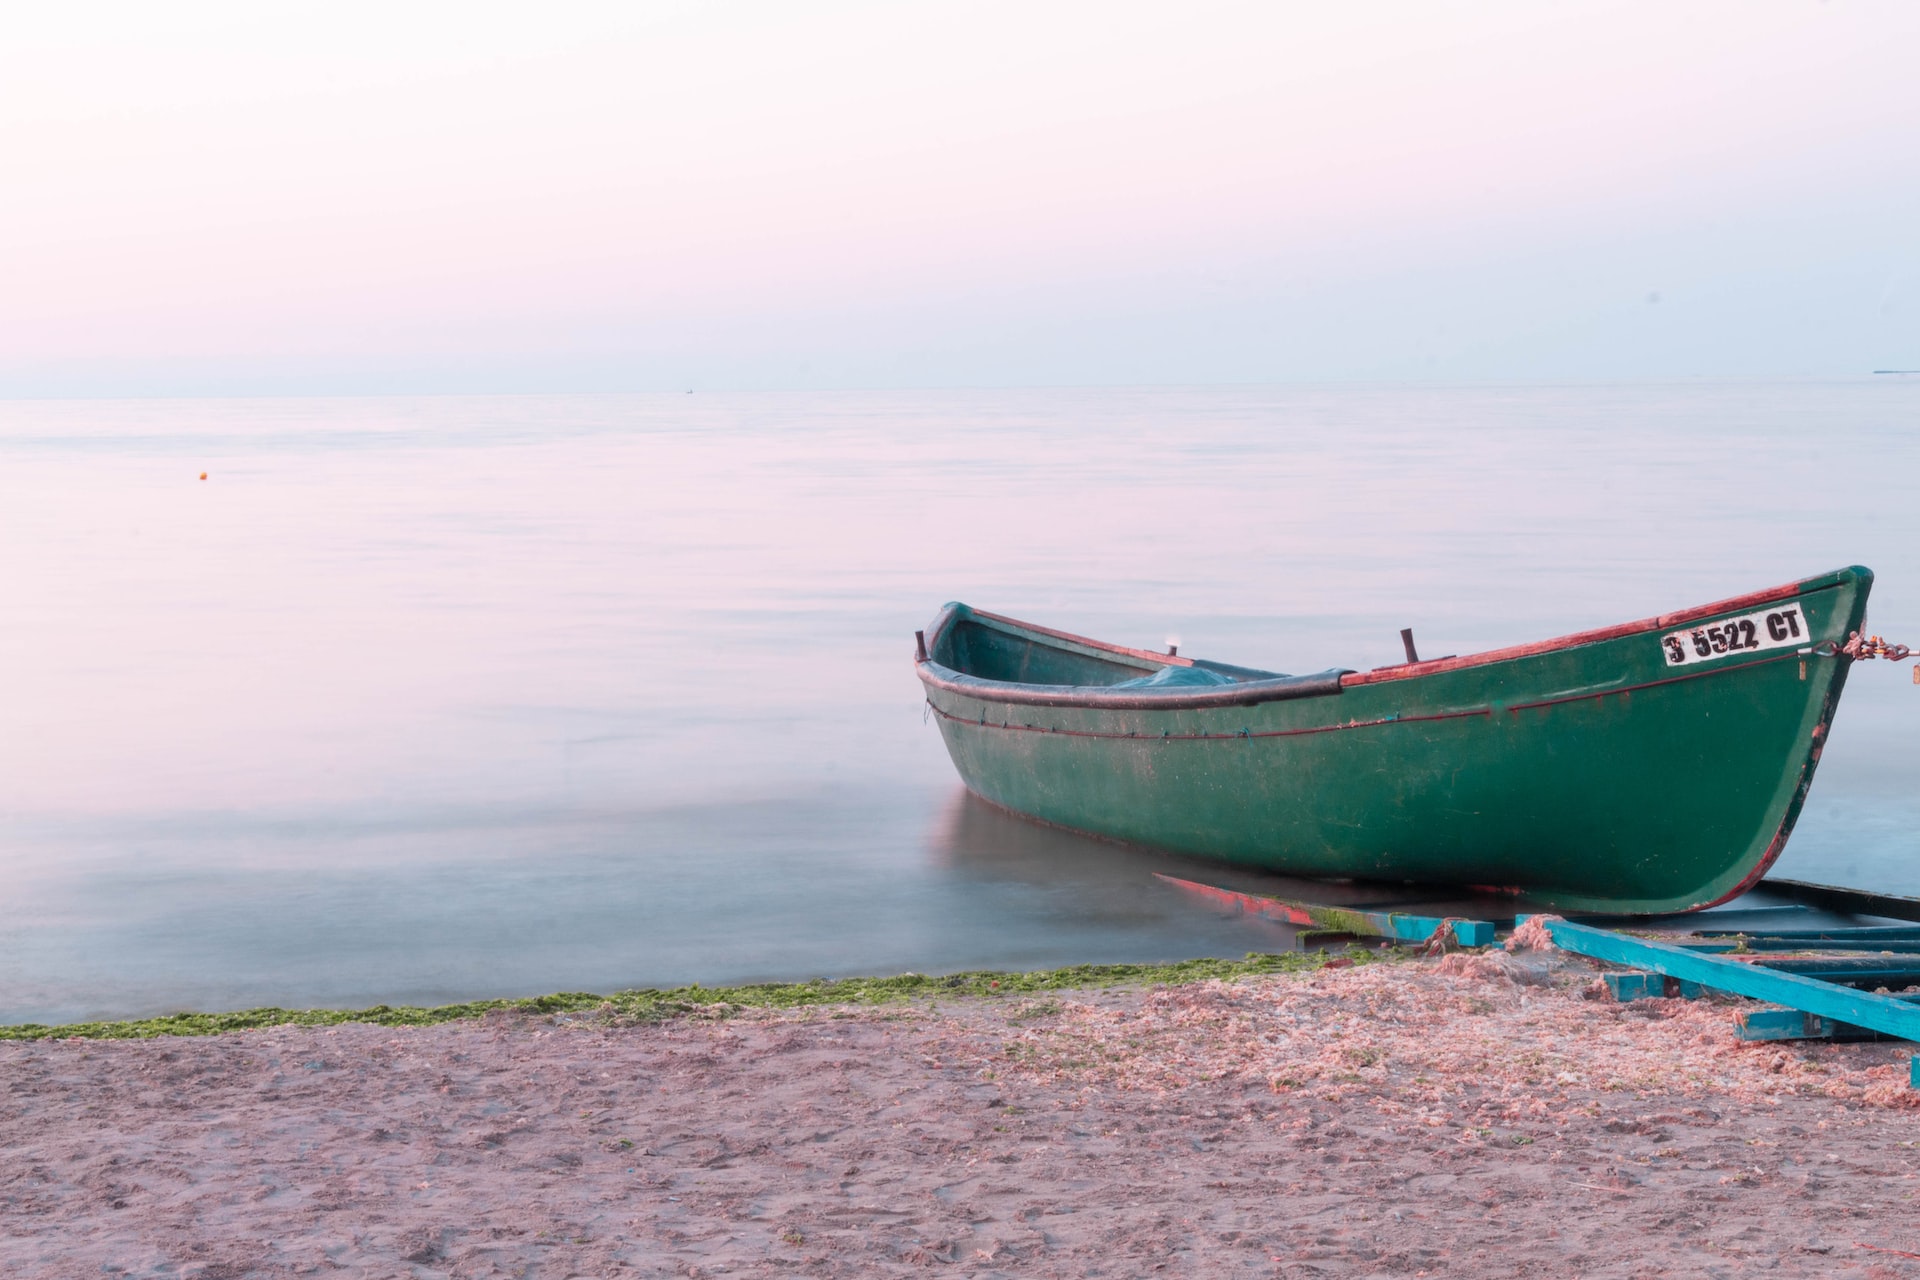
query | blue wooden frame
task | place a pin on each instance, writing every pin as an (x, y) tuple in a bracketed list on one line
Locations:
[(1885, 1014)]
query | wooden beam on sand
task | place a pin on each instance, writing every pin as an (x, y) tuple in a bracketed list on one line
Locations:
[(1649, 986), (1716, 915), (1357, 922), (1835, 941), (1868, 973), (1828, 897), (1792, 1024), (1863, 933), (1856, 971)]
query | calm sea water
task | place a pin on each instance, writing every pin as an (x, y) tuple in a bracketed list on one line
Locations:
[(415, 700)]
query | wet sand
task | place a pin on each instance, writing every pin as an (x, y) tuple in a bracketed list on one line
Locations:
[(1483, 1116)]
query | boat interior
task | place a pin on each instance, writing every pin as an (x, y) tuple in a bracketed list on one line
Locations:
[(990, 647)]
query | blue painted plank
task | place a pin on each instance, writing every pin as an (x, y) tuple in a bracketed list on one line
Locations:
[(1884, 1014), (1787, 1024), (1468, 933), (1846, 968), (1635, 986), (1887, 946), (1863, 934), (1792, 1024), (1649, 986), (1750, 945)]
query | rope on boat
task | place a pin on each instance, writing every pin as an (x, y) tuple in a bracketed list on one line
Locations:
[(1862, 647)]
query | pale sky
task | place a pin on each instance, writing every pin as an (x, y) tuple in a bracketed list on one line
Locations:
[(202, 198)]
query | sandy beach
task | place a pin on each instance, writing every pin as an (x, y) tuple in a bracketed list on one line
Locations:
[(1483, 1115)]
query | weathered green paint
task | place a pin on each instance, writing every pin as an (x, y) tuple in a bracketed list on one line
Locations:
[(1586, 771)]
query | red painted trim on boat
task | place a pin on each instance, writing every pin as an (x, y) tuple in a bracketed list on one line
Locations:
[(1663, 621), (1266, 907)]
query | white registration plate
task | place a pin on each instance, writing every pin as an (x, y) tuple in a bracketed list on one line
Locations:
[(1781, 627)]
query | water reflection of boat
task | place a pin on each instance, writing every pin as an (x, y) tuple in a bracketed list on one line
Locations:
[(1653, 766), (983, 842)]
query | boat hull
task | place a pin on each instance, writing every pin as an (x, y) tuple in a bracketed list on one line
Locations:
[(1591, 773)]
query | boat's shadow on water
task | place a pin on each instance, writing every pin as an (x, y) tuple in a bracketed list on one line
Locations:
[(982, 842)]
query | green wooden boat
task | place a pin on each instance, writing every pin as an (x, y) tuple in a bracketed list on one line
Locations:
[(1649, 767)]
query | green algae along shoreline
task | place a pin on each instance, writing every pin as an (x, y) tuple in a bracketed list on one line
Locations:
[(656, 1004)]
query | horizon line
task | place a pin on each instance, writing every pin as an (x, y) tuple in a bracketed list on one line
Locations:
[(881, 388)]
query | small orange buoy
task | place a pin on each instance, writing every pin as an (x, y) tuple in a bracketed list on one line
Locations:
[(203, 475)]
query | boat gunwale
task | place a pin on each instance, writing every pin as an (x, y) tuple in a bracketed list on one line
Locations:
[(938, 676), (1295, 731)]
